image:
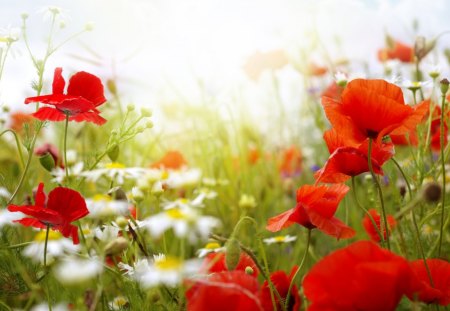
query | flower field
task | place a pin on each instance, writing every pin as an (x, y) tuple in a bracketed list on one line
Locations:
[(335, 198)]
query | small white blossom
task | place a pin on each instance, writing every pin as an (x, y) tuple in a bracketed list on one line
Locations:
[(78, 270)]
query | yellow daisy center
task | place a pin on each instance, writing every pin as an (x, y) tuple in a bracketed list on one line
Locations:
[(176, 213), (212, 245), (52, 235), (168, 263), (101, 197), (280, 238), (114, 165)]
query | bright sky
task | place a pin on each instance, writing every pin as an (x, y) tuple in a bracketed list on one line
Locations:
[(159, 47)]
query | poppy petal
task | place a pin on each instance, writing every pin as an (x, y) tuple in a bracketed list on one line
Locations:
[(88, 86), (40, 196), (67, 202), (31, 222), (281, 221), (58, 82), (89, 117), (50, 114)]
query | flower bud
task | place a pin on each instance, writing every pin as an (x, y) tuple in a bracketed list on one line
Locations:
[(116, 246), (431, 192), (122, 222), (444, 86), (47, 161), (149, 124), (247, 202), (249, 270), (130, 107), (145, 112), (111, 85), (113, 154), (232, 253)]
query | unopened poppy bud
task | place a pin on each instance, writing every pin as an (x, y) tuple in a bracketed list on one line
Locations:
[(145, 112), (113, 154), (5, 109), (232, 253), (431, 192), (444, 86), (249, 270), (122, 222), (111, 85), (116, 246), (247, 202), (155, 297), (47, 161)]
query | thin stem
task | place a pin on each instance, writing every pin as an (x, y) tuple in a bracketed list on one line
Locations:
[(45, 246), (19, 149), (380, 193), (66, 166), (27, 165), (408, 185), (308, 240), (272, 288), (443, 174), (365, 210)]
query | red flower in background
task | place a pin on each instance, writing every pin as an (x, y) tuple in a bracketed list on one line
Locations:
[(397, 50), (349, 159), (64, 206), (316, 206), (224, 291), (440, 274), (362, 276), (52, 150), (371, 230), (291, 163), (372, 109), (281, 282), (436, 134), (406, 139), (84, 95), (172, 160), (19, 119), (215, 262)]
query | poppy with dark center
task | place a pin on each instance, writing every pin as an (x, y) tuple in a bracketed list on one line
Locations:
[(215, 262), (362, 276), (281, 282), (439, 292), (224, 291), (371, 230), (64, 206), (372, 109), (316, 206), (397, 50), (348, 159), (84, 95)]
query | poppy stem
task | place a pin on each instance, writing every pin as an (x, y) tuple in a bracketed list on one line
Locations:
[(302, 263), (374, 224), (380, 194), (442, 141), (66, 166), (45, 246)]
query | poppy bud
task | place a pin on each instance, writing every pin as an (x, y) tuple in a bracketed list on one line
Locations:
[(47, 161), (113, 154), (444, 86), (232, 253), (431, 192), (111, 85), (116, 246)]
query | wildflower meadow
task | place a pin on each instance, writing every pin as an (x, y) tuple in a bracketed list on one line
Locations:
[(296, 176)]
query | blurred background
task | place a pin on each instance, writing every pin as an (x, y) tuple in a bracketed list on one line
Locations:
[(161, 52)]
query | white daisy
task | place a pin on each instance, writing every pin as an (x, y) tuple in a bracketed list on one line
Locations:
[(59, 174), (115, 172), (74, 270), (57, 246), (119, 303), (183, 178), (280, 239), (184, 203), (211, 247), (169, 271), (101, 206), (106, 233), (185, 222), (7, 217)]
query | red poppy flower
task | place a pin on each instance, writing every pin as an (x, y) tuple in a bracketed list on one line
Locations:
[(291, 163), (372, 109), (371, 230), (215, 262), (173, 160), (281, 282), (398, 50), (440, 274), (406, 139), (84, 95), (348, 158), (224, 291), (64, 206), (436, 135), (316, 206), (334, 91), (362, 276)]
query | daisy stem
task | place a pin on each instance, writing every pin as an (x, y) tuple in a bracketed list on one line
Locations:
[(443, 173), (308, 240), (66, 166), (380, 193), (374, 224), (45, 245)]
